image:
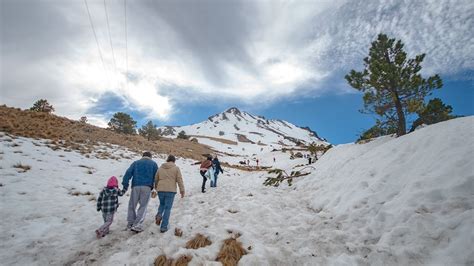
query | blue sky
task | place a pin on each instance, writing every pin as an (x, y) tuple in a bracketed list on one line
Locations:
[(178, 62), (335, 117)]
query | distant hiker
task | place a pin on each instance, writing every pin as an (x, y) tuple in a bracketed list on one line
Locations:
[(203, 169), (217, 168), (108, 204), (274, 160), (248, 162), (142, 172), (166, 179), (257, 162), (309, 159)]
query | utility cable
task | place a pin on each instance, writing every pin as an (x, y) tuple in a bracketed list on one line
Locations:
[(95, 36), (110, 36), (126, 45)]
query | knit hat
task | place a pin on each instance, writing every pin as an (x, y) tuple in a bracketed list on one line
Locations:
[(112, 182)]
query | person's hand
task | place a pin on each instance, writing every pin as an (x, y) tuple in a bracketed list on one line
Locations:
[(182, 194)]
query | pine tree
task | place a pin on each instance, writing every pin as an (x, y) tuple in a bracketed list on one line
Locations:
[(391, 82), (122, 123), (42, 105), (313, 148), (149, 131), (182, 135), (435, 111)]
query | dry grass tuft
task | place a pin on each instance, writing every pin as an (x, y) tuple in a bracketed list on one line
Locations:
[(198, 241), (178, 232), (78, 193), (162, 260), (231, 252), (23, 167), (183, 260)]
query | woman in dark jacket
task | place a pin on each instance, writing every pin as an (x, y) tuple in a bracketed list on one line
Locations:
[(217, 168)]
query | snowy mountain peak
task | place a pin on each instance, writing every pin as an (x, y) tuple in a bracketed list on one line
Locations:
[(233, 110), (244, 133)]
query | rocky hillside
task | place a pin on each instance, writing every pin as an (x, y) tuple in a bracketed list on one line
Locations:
[(70, 135), (239, 132)]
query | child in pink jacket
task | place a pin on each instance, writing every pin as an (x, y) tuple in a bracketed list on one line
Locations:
[(108, 204)]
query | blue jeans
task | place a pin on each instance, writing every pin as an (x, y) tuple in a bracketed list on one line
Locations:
[(214, 184), (164, 211)]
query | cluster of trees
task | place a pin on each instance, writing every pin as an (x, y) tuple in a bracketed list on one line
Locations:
[(394, 89), (42, 105), (313, 148), (123, 123), (120, 122)]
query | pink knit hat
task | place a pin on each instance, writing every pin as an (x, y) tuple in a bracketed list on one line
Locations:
[(113, 182)]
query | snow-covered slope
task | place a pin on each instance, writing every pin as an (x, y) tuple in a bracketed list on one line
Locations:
[(392, 201), (246, 134), (405, 201)]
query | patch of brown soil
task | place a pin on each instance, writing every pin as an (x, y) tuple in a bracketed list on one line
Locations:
[(243, 138), (221, 140), (74, 135)]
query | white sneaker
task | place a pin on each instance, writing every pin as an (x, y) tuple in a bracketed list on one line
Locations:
[(136, 229)]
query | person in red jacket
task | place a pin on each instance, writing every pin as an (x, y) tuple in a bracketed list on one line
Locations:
[(203, 169)]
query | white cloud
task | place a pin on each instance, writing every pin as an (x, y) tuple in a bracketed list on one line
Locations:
[(179, 52)]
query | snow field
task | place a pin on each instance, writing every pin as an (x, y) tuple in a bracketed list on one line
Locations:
[(392, 201)]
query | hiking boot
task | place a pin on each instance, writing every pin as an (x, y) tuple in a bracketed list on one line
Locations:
[(158, 220), (98, 234), (163, 230)]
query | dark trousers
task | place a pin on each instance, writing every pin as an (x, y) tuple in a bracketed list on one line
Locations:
[(204, 180)]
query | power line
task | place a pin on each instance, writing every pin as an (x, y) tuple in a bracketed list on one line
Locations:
[(95, 36), (126, 44), (110, 36)]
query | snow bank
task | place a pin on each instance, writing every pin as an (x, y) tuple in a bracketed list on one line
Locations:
[(406, 200), (393, 201)]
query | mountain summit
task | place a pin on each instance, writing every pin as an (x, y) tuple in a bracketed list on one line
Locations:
[(236, 131)]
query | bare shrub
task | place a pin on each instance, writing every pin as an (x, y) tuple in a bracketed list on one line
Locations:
[(231, 252), (198, 241)]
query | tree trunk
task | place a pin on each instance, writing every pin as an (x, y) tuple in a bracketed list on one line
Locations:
[(401, 129)]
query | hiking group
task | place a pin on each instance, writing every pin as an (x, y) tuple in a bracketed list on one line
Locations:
[(149, 180), (210, 169)]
